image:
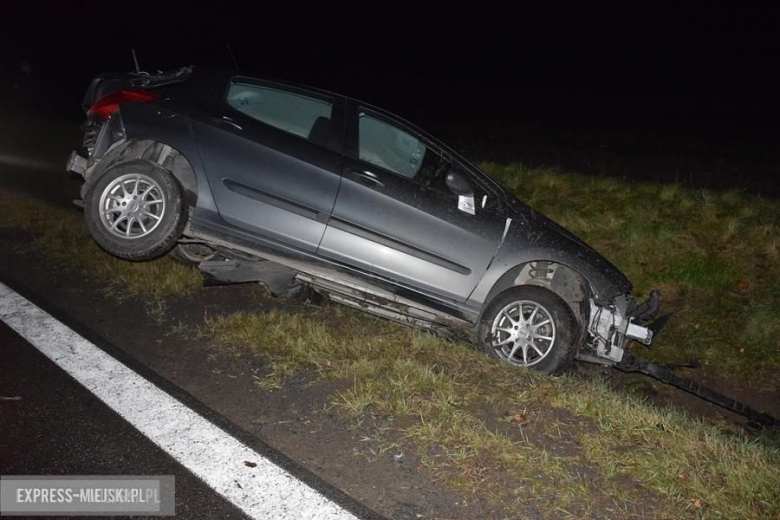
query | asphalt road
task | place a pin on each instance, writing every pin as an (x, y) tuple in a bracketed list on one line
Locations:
[(60, 428)]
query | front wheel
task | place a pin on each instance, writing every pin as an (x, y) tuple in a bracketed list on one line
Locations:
[(135, 210), (531, 327)]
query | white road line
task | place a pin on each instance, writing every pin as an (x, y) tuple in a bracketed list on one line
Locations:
[(266, 491)]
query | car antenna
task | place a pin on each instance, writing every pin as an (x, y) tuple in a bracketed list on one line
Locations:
[(232, 56), (135, 61)]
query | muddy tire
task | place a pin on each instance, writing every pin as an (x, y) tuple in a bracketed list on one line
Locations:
[(135, 210), (530, 327)]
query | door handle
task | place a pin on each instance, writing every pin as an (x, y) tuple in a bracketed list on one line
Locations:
[(227, 121), (366, 177)]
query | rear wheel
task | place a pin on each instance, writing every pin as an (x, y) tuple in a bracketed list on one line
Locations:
[(135, 210), (531, 327)]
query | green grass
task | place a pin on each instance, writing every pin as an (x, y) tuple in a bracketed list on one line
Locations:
[(566, 447), (62, 236)]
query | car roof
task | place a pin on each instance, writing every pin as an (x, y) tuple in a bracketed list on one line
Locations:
[(238, 74), (226, 74)]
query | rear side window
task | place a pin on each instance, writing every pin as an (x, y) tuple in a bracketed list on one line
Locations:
[(292, 112), (390, 147)]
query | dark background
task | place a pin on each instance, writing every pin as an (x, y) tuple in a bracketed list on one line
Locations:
[(558, 83)]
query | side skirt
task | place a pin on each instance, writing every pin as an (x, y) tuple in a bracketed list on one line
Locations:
[(388, 305)]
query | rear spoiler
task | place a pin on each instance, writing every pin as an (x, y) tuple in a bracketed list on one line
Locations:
[(106, 83)]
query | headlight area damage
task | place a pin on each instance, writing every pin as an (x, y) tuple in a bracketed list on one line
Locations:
[(251, 179), (612, 328)]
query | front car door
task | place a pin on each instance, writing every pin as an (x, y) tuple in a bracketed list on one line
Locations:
[(395, 217), (272, 155)]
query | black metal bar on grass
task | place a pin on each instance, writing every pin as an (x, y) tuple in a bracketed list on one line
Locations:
[(632, 363)]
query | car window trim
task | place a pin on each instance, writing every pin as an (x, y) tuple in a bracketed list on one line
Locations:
[(489, 184), (352, 148), (294, 89)]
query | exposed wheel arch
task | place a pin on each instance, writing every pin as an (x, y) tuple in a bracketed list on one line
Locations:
[(570, 285), (530, 326), (153, 150)]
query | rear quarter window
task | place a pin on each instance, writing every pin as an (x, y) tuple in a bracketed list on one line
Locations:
[(292, 112)]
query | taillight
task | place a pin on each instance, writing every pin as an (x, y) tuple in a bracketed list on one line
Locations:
[(107, 105)]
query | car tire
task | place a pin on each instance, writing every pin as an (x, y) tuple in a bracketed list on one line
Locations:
[(135, 210), (529, 326)]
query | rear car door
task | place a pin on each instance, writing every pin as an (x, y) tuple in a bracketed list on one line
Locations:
[(395, 217), (272, 155)]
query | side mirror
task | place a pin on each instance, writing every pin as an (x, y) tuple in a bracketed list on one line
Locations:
[(458, 183), (461, 186)]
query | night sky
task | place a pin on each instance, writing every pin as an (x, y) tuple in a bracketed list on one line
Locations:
[(684, 66)]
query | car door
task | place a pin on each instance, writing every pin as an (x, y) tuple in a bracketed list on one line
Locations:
[(272, 156), (395, 217)]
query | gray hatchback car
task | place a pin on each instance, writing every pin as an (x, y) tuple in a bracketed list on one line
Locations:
[(253, 179)]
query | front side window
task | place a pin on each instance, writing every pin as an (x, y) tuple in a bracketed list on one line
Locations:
[(394, 149), (295, 113), (389, 147)]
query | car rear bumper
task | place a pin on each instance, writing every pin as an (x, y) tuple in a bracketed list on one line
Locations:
[(99, 138), (76, 163)]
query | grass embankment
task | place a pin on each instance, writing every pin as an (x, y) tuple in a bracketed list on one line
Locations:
[(566, 447), (569, 448), (62, 236)]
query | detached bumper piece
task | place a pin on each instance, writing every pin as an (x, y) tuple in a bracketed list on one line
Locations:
[(279, 279), (632, 363), (646, 310)]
